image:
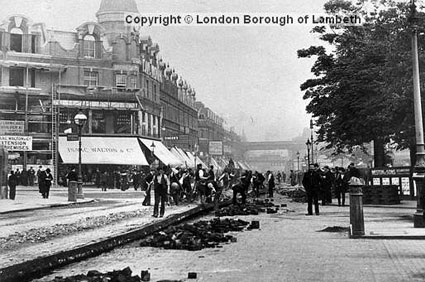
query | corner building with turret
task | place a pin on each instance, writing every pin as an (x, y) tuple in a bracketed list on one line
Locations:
[(105, 69)]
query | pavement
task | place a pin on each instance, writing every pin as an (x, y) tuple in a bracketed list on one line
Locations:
[(382, 222), (28, 198)]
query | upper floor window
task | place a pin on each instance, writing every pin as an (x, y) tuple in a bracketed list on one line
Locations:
[(120, 80), (33, 43), (16, 76), (89, 46), (133, 82), (91, 78), (16, 40)]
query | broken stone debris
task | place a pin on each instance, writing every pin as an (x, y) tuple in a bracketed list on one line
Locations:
[(257, 206), (196, 236), (124, 275)]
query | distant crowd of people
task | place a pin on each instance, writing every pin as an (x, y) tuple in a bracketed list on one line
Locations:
[(174, 185)]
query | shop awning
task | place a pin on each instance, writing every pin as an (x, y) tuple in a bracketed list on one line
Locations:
[(183, 156), (190, 162), (162, 153), (103, 150), (176, 153)]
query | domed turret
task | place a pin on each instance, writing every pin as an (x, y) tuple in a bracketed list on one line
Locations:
[(111, 15), (117, 6)]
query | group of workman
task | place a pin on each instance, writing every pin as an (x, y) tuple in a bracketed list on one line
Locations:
[(202, 185), (319, 185)]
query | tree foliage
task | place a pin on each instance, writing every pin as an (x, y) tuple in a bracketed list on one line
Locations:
[(362, 85)]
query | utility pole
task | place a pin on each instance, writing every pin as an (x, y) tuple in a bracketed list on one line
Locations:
[(419, 168)]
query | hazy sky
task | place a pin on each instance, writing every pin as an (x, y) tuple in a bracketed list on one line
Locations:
[(248, 74)]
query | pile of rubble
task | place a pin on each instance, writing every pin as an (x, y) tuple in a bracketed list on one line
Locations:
[(297, 195), (257, 206), (196, 236), (124, 275)]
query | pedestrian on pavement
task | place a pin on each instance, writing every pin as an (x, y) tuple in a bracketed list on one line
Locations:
[(31, 176), (39, 180), (104, 180), (271, 183), (18, 176), (12, 182), (162, 188), (24, 177), (340, 186), (48, 178), (327, 181), (311, 183)]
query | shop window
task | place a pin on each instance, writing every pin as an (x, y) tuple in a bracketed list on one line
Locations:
[(120, 80), (16, 40), (16, 77), (91, 78), (89, 46)]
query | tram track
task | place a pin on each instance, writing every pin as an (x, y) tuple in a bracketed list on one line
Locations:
[(43, 265)]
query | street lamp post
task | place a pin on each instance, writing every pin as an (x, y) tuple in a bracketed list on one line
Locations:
[(312, 141), (419, 169), (152, 152), (308, 144), (298, 159), (80, 119)]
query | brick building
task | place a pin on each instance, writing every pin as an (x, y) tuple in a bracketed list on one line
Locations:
[(107, 70)]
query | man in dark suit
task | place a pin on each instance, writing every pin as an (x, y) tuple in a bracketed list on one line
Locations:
[(311, 183), (327, 182)]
